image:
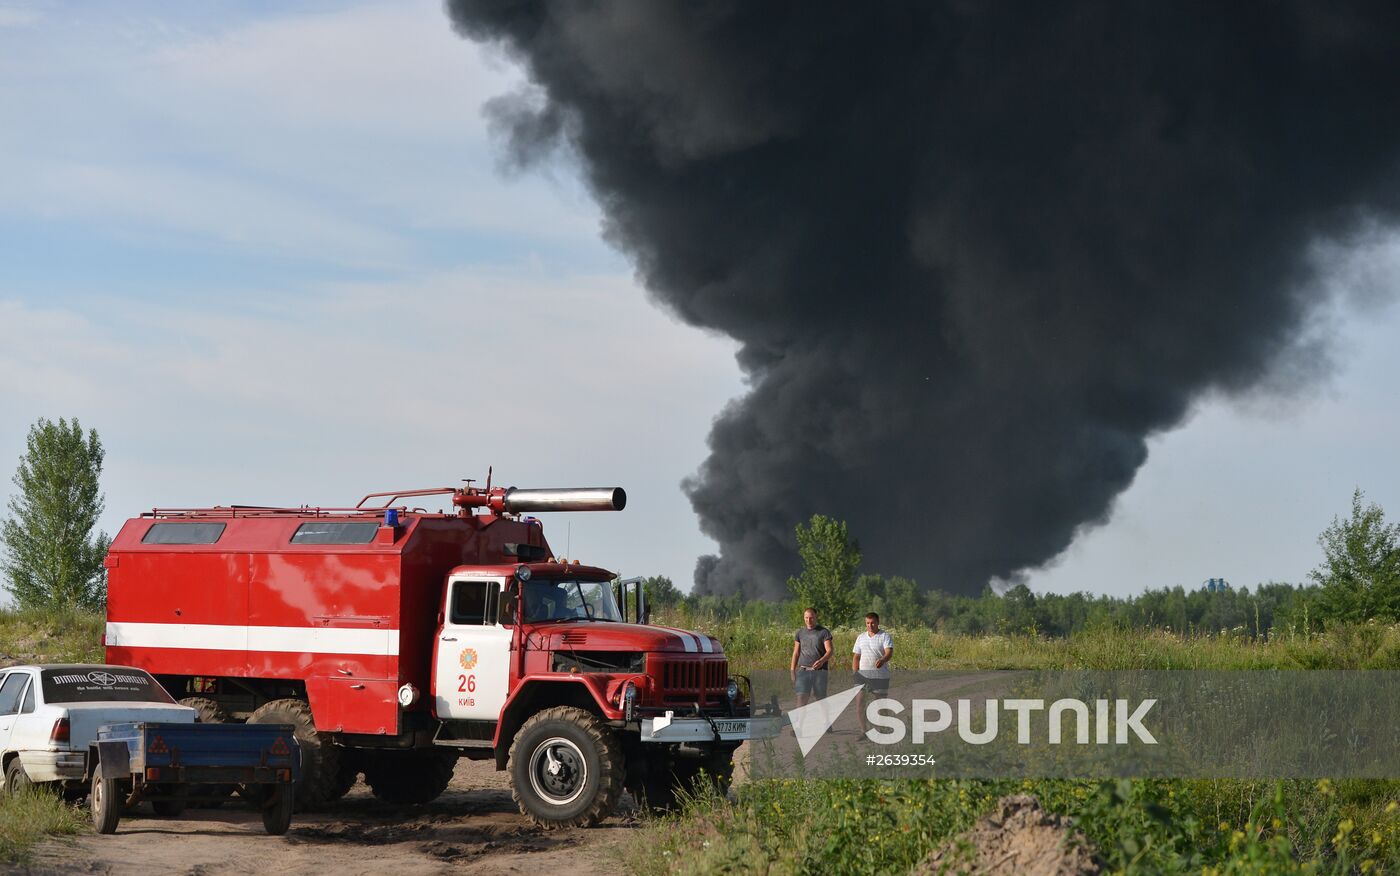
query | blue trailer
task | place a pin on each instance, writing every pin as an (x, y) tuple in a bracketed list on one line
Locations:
[(175, 764)]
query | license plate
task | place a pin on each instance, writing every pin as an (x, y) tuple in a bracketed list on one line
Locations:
[(732, 726)]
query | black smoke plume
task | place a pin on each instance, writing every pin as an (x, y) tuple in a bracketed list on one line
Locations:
[(974, 253)]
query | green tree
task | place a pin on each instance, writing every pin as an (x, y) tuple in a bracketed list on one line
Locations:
[(52, 559), (829, 562), (1360, 570), (661, 593), (903, 603)]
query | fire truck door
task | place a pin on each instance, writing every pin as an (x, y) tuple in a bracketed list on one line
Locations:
[(473, 654)]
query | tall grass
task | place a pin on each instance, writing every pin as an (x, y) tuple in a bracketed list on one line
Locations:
[(1148, 826), (1142, 826), (32, 815), (33, 636), (752, 645)]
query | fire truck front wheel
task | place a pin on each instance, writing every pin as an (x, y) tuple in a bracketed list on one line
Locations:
[(566, 768), (320, 760)]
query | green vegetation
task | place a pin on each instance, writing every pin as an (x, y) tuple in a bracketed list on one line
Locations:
[(830, 559), (661, 594), (1360, 575), (1345, 620), (1269, 609), (1148, 826), (52, 559), (50, 636), (753, 644), (44, 635), (32, 815)]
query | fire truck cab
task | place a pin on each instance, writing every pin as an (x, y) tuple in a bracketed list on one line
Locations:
[(397, 640)]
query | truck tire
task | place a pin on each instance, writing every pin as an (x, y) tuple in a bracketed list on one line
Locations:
[(668, 780), (277, 811), (351, 765), (105, 802), (207, 711), (409, 776), (566, 768), (320, 759)]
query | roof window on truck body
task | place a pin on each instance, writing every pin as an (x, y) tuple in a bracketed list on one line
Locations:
[(334, 532), (183, 533)]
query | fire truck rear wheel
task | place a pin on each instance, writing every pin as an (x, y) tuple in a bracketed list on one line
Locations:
[(207, 711), (348, 774), (320, 759), (409, 776), (566, 768)]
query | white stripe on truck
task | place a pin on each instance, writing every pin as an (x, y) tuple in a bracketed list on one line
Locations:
[(690, 641), (219, 637)]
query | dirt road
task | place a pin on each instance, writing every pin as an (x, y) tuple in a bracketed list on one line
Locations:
[(474, 827)]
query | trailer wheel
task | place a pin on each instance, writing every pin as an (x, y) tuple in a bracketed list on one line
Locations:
[(320, 759), (566, 768), (277, 810), (105, 801), (409, 776)]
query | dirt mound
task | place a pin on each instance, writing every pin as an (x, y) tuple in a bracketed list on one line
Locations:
[(1019, 837)]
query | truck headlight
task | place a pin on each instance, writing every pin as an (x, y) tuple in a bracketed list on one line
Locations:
[(732, 690)]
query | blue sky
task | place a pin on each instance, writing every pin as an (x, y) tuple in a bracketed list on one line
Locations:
[(268, 251)]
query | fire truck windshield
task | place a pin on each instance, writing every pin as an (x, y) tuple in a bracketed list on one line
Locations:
[(547, 600)]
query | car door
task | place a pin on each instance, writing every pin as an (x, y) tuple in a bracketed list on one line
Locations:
[(11, 689), (472, 675)]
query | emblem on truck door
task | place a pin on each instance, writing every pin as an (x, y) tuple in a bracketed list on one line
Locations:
[(468, 658)]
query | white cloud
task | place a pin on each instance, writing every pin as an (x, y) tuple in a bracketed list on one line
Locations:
[(336, 136)]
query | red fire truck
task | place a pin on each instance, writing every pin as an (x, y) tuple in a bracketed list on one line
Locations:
[(397, 640)]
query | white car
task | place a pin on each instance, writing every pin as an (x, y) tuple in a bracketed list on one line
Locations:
[(50, 714)]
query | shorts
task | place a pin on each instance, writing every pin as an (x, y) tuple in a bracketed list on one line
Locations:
[(873, 685), (812, 681)]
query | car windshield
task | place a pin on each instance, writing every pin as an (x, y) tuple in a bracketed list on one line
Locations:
[(569, 600), (101, 684)]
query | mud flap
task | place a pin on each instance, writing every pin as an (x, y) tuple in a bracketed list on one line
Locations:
[(113, 760)]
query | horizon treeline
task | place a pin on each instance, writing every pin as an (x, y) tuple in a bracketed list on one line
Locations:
[(1268, 607)]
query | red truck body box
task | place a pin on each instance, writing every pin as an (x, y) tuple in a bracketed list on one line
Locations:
[(353, 621)]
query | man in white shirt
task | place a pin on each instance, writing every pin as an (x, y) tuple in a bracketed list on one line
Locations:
[(870, 660)]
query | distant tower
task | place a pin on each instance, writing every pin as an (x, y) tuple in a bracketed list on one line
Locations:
[(1216, 585)]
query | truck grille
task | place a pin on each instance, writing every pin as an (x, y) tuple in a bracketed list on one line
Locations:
[(689, 681)]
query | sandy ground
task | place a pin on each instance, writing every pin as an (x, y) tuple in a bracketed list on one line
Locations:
[(474, 827)]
